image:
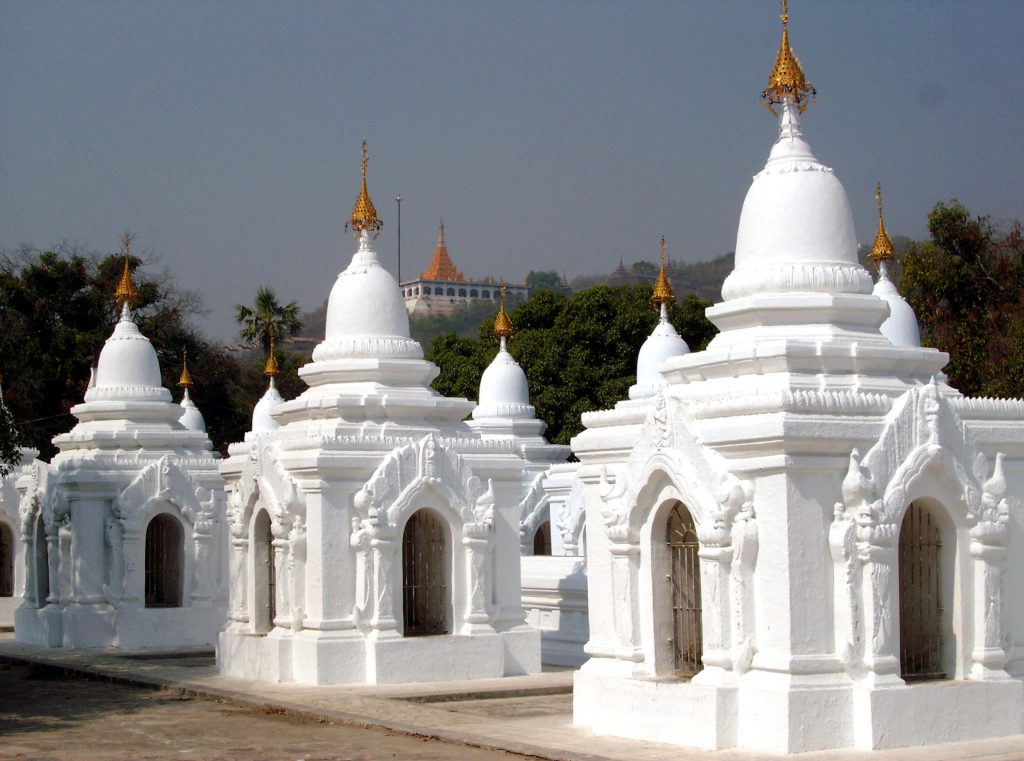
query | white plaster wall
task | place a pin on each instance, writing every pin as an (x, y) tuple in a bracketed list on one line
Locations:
[(555, 599)]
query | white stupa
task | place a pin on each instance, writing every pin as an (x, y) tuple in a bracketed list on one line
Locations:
[(263, 421), (812, 542), (124, 528), (191, 418), (662, 344), (373, 515), (900, 326)]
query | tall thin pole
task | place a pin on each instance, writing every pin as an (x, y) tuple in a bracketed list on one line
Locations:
[(398, 200)]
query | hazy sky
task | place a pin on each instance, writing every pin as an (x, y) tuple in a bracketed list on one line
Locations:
[(548, 135)]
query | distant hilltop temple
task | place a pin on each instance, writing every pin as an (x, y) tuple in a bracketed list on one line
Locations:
[(441, 288)]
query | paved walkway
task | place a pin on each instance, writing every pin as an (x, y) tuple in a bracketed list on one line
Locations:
[(530, 715)]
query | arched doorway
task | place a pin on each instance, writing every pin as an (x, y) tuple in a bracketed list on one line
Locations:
[(264, 573), (424, 575), (165, 545), (42, 561), (922, 627), (684, 578), (6, 561), (542, 539)]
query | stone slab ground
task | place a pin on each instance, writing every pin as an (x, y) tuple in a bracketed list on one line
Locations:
[(530, 716)]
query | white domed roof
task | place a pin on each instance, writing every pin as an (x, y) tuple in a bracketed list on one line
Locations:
[(262, 422), (366, 314), (127, 361), (796, 213), (663, 343), (503, 389), (191, 417), (900, 327)]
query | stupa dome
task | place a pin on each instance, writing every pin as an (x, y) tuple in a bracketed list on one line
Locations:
[(127, 361), (900, 327), (262, 421), (191, 417), (796, 229), (663, 343), (503, 389)]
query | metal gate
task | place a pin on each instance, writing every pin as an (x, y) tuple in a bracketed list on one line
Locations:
[(42, 559), (687, 639), (920, 567), (424, 576), (164, 542), (6, 562)]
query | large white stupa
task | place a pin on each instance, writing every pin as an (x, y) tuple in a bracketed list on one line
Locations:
[(375, 536), (124, 530), (810, 541)]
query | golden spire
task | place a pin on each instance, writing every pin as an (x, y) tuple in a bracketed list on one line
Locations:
[(502, 324), (126, 292), (185, 381), (270, 369), (787, 82), (364, 215), (882, 249), (662, 288)]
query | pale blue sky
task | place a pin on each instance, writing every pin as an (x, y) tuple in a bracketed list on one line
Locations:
[(548, 135)]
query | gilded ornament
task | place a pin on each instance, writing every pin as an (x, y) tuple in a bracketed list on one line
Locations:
[(787, 83), (364, 215), (126, 292), (502, 324), (185, 381), (662, 288), (882, 249)]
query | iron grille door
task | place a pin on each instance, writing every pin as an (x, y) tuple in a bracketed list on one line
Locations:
[(268, 539), (6, 562), (42, 564), (920, 567), (424, 576), (163, 562), (687, 635)]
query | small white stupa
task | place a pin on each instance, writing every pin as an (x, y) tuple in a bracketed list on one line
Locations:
[(124, 529), (811, 541), (375, 535), (662, 344), (263, 421), (900, 326), (191, 418)]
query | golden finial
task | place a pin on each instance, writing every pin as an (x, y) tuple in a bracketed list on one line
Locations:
[(126, 292), (662, 294), (882, 249), (364, 215), (502, 324), (185, 381), (787, 82), (270, 369)]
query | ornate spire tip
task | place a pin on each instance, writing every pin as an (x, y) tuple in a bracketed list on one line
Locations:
[(364, 215), (662, 294), (126, 293), (185, 381), (502, 324), (882, 249), (787, 84)]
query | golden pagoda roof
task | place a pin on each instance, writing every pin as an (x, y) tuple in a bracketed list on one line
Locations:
[(441, 266), (126, 292), (364, 215), (502, 324), (787, 82), (882, 249), (185, 381), (662, 288), (270, 368)]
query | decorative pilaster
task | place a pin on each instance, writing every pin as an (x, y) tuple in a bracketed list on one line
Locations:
[(282, 587), (625, 561), (383, 621), (476, 539), (715, 555), (876, 551)]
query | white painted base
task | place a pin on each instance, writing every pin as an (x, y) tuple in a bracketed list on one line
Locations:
[(554, 593), (79, 627), (765, 713), (938, 712), (309, 657), (657, 710)]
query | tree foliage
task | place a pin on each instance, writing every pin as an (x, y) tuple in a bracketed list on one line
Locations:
[(547, 279), (966, 286), (10, 455), (579, 352), (267, 318)]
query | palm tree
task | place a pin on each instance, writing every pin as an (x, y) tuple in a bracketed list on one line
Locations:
[(266, 318)]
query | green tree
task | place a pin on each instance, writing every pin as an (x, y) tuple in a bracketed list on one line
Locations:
[(579, 353), (548, 279), (965, 285), (10, 455), (267, 318)]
